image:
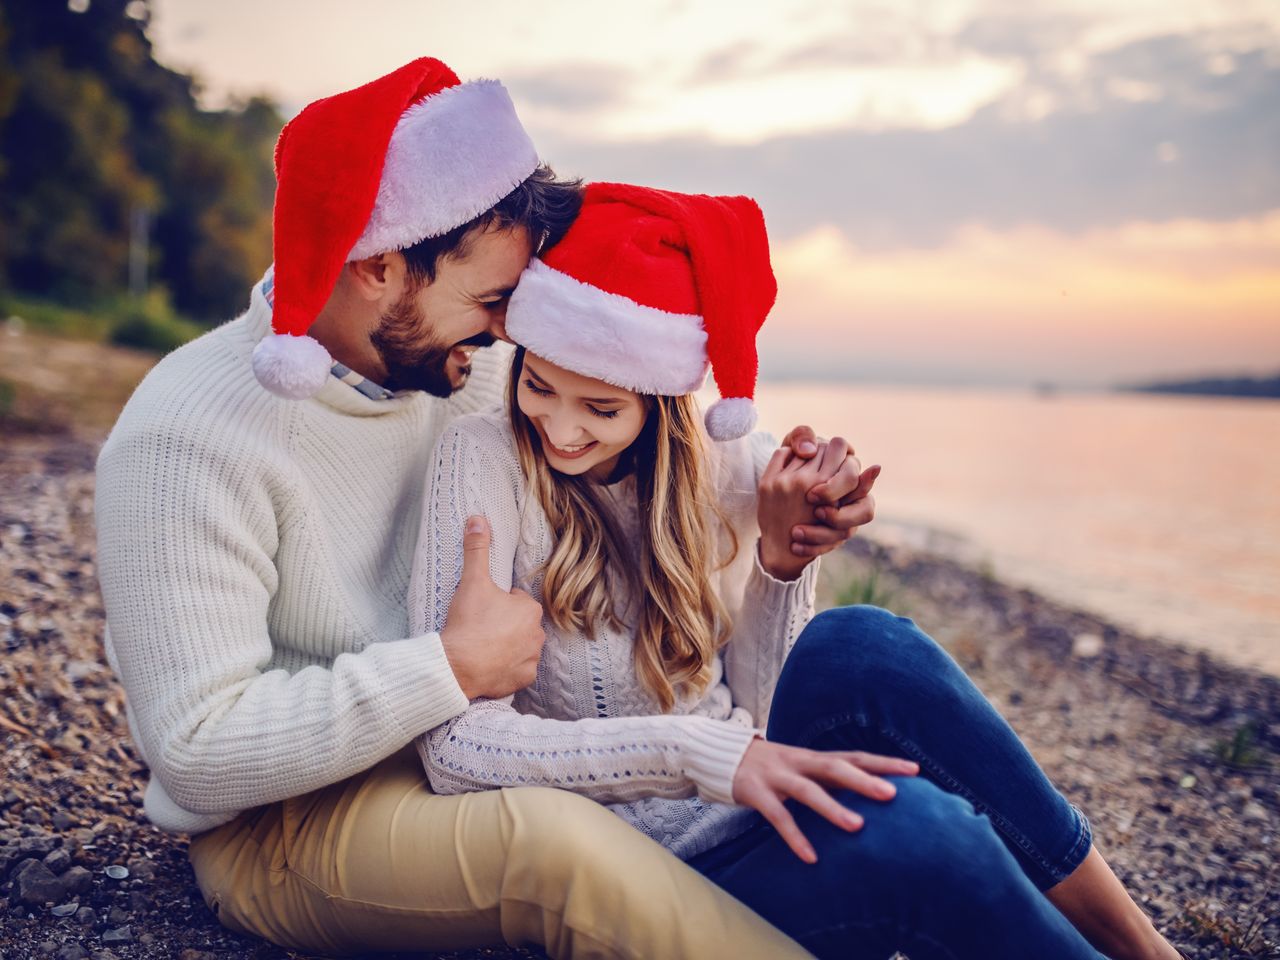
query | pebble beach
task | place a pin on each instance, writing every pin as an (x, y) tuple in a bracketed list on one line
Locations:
[(1171, 754)]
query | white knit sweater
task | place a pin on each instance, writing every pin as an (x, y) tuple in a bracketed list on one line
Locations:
[(254, 556), (587, 724)]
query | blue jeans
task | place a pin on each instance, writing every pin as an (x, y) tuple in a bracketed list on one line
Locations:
[(955, 864)]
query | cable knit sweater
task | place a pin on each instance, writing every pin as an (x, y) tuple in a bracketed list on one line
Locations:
[(254, 557), (587, 724)]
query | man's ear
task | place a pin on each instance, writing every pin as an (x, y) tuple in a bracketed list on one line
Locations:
[(378, 277)]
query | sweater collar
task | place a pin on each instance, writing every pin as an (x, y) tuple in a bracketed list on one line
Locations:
[(339, 392)]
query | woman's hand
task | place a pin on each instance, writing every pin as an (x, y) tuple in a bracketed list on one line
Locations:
[(770, 773), (783, 505)]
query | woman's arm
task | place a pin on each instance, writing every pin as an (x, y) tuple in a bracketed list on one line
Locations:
[(491, 744), (774, 611)]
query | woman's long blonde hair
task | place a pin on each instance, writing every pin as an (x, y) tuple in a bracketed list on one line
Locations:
[(680, 622)]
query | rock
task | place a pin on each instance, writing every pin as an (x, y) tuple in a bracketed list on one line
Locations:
[(86, 916), (58, 861), (104, 955), (139, 902), (35, 885), (38, 845), (1086, 646), (118, 935), (62, 820), (65, 909), (77, 880), (118, 916), (142, 869), (34, 815), (190, 954), (10, 854), (47, 947), (72, 951), (1254, 811)]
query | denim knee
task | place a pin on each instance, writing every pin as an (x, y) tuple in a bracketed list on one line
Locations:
[(848, 659), (925, 842)]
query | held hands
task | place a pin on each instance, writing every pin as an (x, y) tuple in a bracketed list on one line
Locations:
[(771, 773), (841, 499), (492, 638)]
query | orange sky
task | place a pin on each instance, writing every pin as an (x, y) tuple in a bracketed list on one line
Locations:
[(958, 190)]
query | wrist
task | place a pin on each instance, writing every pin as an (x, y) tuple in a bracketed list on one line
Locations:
[(780, 564), (466, 682)]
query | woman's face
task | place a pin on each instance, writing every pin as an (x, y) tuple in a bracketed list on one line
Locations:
[(585, 424)]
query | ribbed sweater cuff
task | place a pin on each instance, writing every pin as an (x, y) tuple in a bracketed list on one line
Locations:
[(712, 752), (781, 594), (418, 682)]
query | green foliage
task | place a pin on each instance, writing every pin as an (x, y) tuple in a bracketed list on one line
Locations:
[(866, 589), (147, 323), (1242, 750), (93, 132)]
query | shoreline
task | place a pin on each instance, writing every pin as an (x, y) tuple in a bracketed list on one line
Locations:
[(1143, 735)]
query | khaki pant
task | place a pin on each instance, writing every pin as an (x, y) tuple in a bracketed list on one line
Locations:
[(379, 863)]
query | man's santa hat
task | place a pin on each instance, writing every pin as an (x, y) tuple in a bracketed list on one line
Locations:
[(648, 290), (409, 156)]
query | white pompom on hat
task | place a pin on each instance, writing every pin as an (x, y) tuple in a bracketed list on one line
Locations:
[(408, 156)]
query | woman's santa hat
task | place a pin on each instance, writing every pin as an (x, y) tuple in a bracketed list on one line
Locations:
[(409, 156), (648, 290)]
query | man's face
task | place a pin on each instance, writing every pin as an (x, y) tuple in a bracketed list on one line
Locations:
[(426, 339)]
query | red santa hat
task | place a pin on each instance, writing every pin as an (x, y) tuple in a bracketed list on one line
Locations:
[(409, 156), (649, 289)]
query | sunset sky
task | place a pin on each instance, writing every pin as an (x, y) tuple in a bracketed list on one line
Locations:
[(958, 191)]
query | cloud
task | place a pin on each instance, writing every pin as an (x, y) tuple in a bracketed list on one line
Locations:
[(1153, 130), (581, 87)]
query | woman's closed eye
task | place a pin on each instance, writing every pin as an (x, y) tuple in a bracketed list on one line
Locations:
[(537, 390), (607, 414)]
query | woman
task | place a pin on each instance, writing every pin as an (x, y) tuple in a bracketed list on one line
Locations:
[(679, 623)]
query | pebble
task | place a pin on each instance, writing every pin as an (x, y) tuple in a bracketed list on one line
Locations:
[(118, 916), (116, 872), (1086, 646), (36, 885), (118, 935), (86, 916), (65, 909), (62, 820), (72, 951), (1255, 812), (78, 880), (58, 861)]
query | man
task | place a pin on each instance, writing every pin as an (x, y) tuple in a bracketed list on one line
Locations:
[(254, 551)]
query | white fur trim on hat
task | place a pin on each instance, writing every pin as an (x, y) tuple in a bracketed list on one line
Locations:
[(730, 418), (605, 335), (291, 367), (451, 157)]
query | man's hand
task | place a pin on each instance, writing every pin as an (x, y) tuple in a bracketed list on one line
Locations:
[(492, 638), (771, 773), (841, 497)]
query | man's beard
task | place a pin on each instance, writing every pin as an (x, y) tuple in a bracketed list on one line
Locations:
[(415, 361)]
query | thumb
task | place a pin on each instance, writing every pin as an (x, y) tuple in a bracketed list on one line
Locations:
[(475, 550)]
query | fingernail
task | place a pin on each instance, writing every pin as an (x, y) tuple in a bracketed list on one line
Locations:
[(474, 525), (888, 791), (807, 447), (853, 821), (810, 855)]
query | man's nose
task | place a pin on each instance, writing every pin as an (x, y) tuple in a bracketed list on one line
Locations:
[(498, 323)]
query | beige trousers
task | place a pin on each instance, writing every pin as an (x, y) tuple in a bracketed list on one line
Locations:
[(379, 863)]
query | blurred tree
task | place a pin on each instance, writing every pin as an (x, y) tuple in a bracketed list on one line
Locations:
[(92, 129)]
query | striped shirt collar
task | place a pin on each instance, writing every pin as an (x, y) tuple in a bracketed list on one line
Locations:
[(374, 391)]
